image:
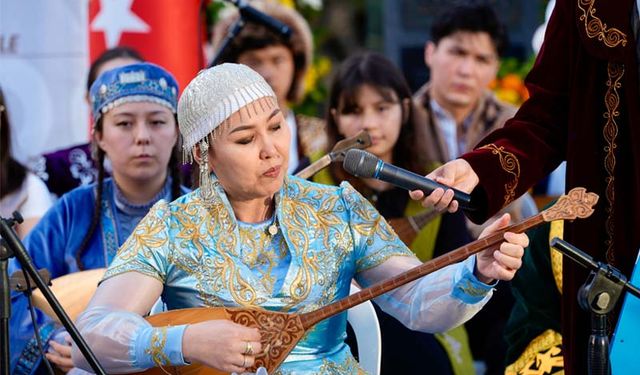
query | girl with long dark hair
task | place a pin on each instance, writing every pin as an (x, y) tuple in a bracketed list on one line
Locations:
[(135, 127), (369, 93)]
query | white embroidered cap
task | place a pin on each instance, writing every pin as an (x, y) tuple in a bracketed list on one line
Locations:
[(213, 96)]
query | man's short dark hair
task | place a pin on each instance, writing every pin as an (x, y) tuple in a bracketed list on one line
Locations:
[(470, 16)]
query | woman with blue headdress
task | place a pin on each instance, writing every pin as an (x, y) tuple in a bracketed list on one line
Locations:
[(253, 236), (135, 129)]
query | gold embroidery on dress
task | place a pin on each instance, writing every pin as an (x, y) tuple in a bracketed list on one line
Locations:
[(347, 367), (469, 289), (595, 28), (190, 224), (510, 164), (377, 259), (306, 219), (610, 132), (145, 237), (372, 219), (260, 256), (542, 356), (214, 274), (156, 347), (205, 247)]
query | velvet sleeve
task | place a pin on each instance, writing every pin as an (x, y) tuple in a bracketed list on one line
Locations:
[(512, 159)]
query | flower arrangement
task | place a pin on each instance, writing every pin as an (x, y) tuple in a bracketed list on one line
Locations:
[(316, 90), (509, 84)]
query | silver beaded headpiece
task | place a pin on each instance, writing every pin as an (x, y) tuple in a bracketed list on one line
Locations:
[(209, 100)]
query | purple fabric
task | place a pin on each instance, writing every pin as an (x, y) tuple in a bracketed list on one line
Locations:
[(66, 169)]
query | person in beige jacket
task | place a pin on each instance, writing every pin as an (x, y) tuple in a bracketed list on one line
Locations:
[(463, 56)]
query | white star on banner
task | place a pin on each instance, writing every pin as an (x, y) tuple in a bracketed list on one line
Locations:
[(116, 17)]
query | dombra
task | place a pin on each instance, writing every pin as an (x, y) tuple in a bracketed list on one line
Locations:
[(407, 228), (280, 332), (74, 290), (360, 141)]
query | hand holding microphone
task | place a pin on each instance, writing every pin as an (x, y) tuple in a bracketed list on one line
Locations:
[(456, 174), (364, 164)]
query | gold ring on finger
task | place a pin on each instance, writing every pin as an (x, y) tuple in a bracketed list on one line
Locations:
[(249, 349)]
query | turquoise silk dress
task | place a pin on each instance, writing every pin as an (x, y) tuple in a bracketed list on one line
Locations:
[(327, 236)]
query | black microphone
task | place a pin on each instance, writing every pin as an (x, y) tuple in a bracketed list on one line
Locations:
[(361, 163), (252, 14)]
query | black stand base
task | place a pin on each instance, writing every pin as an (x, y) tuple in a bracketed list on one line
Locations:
[(14, 247), (598, 295)]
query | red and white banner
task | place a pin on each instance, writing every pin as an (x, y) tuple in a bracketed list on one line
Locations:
[(166, 32), (46, 48)]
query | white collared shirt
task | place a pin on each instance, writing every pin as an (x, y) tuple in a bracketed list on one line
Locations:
[(449, 129)]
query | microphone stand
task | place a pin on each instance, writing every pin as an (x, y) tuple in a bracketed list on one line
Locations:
[(598, 295), (5, 309), (247, 13), (14, 247), (233, 32)]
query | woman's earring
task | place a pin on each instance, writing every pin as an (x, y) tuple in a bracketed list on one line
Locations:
[(206, 186)]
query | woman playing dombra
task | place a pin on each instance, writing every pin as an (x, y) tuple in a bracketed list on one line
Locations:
[(217, 247)]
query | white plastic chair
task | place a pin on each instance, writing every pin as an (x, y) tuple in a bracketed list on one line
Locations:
[(364, 321)]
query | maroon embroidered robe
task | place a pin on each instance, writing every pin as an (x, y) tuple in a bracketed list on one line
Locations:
[(585, 108)]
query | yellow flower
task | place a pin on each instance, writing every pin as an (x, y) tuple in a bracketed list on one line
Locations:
[(508, 95), (310, 79), (318, 70), (324, 66), (288, 3)]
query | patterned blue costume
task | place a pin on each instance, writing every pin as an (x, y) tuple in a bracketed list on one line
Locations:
[(326, 237)]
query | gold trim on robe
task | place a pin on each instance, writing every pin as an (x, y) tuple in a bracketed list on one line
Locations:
[(595, 28), (510, 164)]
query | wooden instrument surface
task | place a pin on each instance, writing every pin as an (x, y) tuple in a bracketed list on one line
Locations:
[(280, 333), (407, 228), (360, 141), (73, 291)]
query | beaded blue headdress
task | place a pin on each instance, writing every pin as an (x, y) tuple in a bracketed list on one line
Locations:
[(142, 82)]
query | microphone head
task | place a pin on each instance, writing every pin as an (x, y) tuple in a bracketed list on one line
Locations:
[(360, 163)]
